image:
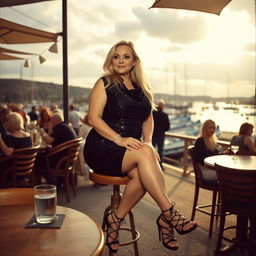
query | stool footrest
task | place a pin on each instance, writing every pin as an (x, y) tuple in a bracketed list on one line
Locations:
[(131, 241)]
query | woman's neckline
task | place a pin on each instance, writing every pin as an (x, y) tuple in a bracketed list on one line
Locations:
[(131, 89)]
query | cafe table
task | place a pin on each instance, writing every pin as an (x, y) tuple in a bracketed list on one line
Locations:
[(242, 162), (78, 235)]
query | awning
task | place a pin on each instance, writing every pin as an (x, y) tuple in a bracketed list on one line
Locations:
[(15, 52), (4, 56), (14, 33), (5, 3)]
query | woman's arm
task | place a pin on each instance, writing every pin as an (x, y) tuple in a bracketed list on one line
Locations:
[(249, 143), (147, 129), (147, 132), (199, 150), (6, 150), (98, 99)]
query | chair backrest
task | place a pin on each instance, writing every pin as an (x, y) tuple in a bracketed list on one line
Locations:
[(71, 149), (16, 196), (237, 190), (24, 159)]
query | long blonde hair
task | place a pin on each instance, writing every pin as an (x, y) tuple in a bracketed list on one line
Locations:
[(210, 142), (137, 73)]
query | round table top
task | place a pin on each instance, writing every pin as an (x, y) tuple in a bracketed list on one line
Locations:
[(78, 235), (242, 162)]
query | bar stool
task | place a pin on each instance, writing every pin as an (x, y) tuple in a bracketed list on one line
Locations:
[(115, 200)]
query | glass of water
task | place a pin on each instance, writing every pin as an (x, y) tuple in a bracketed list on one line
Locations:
[(45, 203), (234, 149)]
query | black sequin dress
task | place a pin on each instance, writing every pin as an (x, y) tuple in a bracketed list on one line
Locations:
[(125, 111)]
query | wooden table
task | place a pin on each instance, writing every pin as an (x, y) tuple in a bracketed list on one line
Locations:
[(79, 234), (241, 163)]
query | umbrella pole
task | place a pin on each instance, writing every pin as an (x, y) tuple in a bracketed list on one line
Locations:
[(65, 60)]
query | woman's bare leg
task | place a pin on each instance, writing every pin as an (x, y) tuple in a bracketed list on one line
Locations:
[(149, 172), (146, 175), (133, 192), (151, 178)]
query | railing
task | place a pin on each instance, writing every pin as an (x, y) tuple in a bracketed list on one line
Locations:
[(189, 140)]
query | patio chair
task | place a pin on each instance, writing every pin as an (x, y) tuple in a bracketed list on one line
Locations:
[(238, 196), (22, 166), (202, 183), (61, 162)]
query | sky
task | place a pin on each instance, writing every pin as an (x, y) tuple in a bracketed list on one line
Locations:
[(184, 52)]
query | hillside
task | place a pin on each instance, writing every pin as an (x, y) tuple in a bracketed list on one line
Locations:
[(26, 91)]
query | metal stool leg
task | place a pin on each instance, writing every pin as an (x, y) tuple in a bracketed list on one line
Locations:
[(134, 234), (115, 200)]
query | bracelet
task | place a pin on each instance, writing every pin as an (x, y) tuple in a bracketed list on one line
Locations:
[(116, 137)]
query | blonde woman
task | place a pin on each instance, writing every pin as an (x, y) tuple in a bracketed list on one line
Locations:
[(17, 138), (120, 112), (206, 145)]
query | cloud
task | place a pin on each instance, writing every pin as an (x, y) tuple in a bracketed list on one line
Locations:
[(128, 29), (177, 29)]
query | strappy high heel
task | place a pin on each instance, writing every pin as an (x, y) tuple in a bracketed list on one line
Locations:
[(178, 221), (166, 233), (112, 230)]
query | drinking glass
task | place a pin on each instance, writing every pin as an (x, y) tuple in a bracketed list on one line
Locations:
[(234, 149), (45, 203)]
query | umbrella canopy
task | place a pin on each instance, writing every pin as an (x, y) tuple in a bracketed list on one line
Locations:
[(15, 52), (4, 56), (14, 33), (5, 3), (210, 6)]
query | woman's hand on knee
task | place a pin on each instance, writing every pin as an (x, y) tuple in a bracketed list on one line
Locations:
[(129, 143)]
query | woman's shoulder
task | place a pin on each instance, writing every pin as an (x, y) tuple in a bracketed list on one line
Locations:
[(199, 140)]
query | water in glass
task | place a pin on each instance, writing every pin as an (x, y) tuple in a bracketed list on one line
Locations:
[(45, 203)]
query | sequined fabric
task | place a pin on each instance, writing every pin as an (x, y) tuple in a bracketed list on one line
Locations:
[(125, 112)]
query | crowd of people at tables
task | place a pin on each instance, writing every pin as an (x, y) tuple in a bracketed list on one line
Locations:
[(16, 126)]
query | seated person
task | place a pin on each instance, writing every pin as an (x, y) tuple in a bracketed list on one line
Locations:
[(59, 132), (206, 145), (4, 113), (44, 118), (244, 139), (17, 138)]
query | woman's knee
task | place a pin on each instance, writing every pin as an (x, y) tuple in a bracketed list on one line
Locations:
[(147, 151)]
